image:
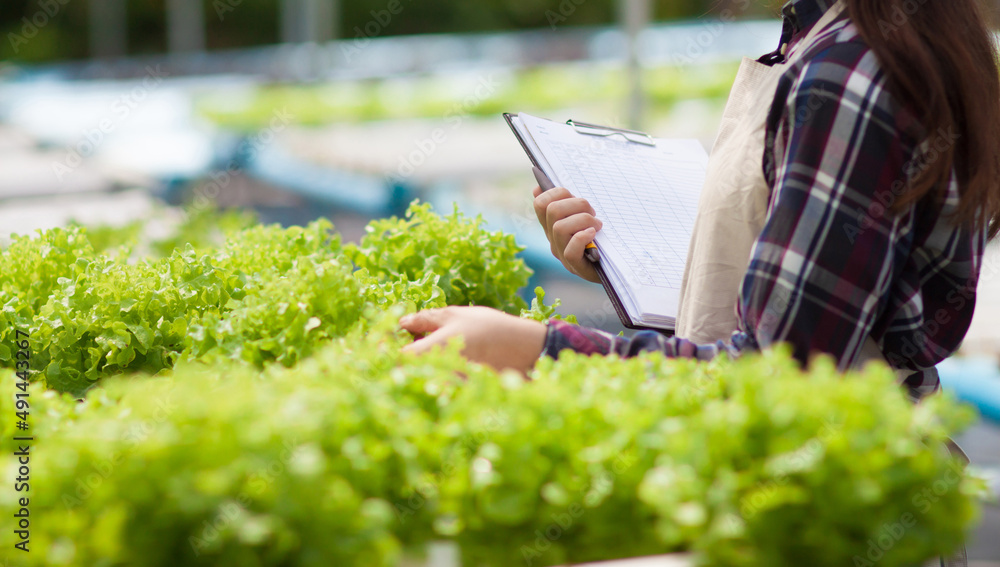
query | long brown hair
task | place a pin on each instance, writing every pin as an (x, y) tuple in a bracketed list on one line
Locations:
[(941, 62)]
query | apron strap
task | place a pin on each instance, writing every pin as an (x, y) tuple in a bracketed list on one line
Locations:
[(788, 30)]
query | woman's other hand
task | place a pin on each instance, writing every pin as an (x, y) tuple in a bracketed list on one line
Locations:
[(570, 225), (491, 337)]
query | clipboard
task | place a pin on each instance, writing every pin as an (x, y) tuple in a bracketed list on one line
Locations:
[(633, 136)]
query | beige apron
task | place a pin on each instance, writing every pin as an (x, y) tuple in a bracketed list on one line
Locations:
[(733, 204)]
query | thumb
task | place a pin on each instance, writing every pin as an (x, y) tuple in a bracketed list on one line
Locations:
[(423, 322)]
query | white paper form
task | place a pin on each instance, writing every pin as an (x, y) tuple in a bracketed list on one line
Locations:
[(647, 198)]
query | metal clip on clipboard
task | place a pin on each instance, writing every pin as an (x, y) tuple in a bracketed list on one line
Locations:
[(633, 136), (606, 131)]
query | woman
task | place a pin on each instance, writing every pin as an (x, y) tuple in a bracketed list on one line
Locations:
[(848, 199)]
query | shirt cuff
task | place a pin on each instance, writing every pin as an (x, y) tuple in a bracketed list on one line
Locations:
[(561, 335), (549, 348)]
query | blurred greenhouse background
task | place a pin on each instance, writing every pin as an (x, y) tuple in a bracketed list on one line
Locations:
[(112, 111), (112, 106)]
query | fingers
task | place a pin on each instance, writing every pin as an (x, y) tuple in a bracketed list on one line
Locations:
[(543, 198), (423, 322), (430, 322), (542, 201), (564, 229), (569, 217), (573, 254), (565, 208), (536, 191), (438, 338), (565, 218), (562, 208)]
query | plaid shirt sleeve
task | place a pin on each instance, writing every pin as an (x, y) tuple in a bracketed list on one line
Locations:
[(832, 265), (561, 336)]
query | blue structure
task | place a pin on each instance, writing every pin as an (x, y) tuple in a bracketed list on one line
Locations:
[(358, 192), (975, 380)]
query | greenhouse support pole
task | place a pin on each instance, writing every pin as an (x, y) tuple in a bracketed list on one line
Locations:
[(185, 26), (107, 28), (309, 20), (292, 21), (635, 16), (322, 18)]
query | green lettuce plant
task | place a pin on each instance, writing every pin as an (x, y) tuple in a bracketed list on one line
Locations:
[(362, 451), (267, 294), (474, 266), (248, 404)]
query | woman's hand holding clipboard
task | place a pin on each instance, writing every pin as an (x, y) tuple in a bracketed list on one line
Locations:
[(570, 226)]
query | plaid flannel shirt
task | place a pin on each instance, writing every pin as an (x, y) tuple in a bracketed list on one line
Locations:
[(832, 264)]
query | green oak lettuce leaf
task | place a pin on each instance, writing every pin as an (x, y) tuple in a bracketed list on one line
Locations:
[(474, 266)]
